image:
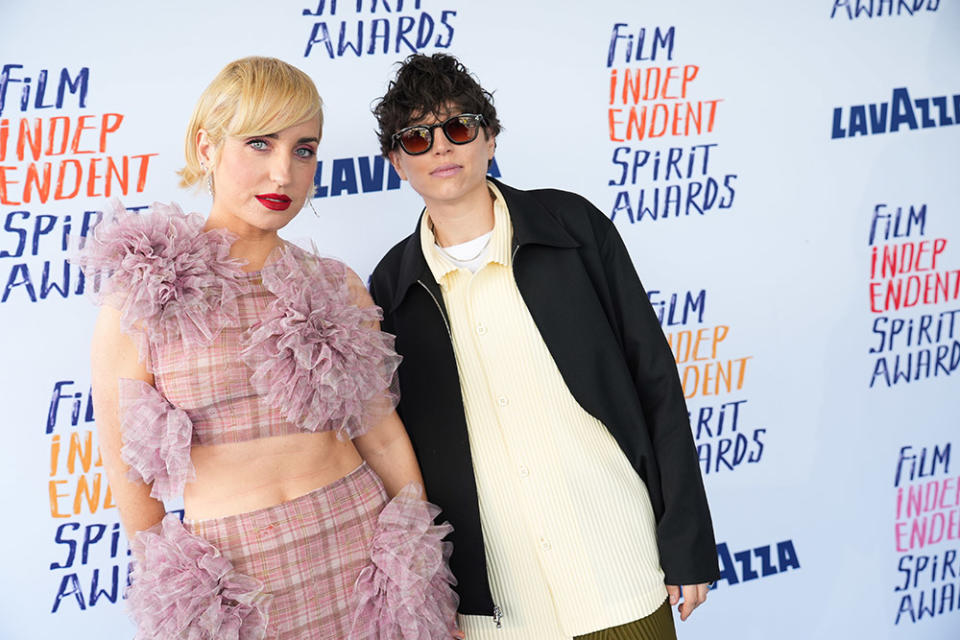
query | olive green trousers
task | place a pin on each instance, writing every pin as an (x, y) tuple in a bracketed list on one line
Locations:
[(656, 626)]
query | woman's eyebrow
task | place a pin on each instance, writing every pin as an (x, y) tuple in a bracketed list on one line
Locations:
[(274, 136)]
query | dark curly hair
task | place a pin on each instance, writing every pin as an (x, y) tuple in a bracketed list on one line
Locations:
[(427, 84)]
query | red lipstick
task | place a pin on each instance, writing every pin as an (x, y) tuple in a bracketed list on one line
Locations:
[(274, 201)]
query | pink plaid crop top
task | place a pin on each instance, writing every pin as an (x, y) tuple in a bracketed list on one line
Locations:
[(235, 356)]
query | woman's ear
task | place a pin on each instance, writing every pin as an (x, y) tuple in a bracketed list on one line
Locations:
[(205, 149), (396, 164)]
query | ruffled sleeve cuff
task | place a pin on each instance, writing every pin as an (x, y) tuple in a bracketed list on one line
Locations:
[(182, 587), (407, 591), (156, 439)]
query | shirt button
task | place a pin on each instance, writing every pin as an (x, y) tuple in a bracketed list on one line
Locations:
[(545, 544), (524, 472), (481, 329), (503, 401)]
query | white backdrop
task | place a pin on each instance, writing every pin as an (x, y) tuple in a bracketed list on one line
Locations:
[(765, 155)]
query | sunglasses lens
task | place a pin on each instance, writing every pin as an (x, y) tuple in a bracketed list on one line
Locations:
[(460, 129), (415, 140)]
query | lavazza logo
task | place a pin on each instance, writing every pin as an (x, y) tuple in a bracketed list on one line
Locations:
[(902, 111)]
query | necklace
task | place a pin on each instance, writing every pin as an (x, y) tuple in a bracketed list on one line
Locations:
[(483, 248)]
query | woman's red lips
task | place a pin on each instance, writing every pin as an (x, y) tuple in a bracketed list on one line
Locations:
[(274, 201)]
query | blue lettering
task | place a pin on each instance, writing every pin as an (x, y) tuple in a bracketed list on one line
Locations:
[(21, 233), (320, 7), (620, 204), (96, 594), (493, 171), (440, 43), (878, 118), (424, 34), (925, 120), (375, 34), (858, 120), (80, 83), (787, 556), (902, 110), (319, 35), (343, 44), (344, 177), (748, 573), (622, 164), (906, 606), (941, 104), (728, 571), (5, 80), (19, 277), (71, 544), (404, 26), (837, 131), (766, 567), (69, 586), (371, 179), (845, 4)]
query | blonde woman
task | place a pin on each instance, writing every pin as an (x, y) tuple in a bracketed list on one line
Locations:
[(251, 377)]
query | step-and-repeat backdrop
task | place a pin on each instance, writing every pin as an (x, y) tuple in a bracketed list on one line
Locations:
[(785, 175)]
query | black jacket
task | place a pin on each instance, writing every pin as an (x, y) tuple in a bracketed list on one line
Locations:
[(578, 282)]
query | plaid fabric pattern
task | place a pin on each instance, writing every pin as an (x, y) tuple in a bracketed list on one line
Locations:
[(213, 386), (307, 552)]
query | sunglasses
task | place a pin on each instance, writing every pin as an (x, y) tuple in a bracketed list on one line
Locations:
[(459, 129)]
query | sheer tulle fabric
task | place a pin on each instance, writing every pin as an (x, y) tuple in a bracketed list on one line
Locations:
[(311, 352), (171, 280), (183, 588), (156, 439), (406, 593), (316, 355)]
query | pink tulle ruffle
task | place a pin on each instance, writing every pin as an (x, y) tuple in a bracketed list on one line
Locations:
[(171, 280), (406, 594), (183, 588), (315, 356), (156, 439)]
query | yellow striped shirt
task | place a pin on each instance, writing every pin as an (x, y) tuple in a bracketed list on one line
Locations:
[(567, 523)]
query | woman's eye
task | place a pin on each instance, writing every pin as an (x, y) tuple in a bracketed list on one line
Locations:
[(304, 152), (257, 144)]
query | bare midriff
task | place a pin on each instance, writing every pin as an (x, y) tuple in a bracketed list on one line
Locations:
[(246, 476)]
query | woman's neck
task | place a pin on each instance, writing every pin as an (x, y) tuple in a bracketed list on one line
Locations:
[(456, 223), (252, 245)]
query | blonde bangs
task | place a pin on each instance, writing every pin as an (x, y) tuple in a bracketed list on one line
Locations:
[(250, 97), (270, 102)]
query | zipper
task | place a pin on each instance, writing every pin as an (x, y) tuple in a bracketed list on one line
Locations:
[(497, 616), (439, 308), (497, 611)]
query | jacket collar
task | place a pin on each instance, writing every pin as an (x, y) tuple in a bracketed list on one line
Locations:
[(532, 224)]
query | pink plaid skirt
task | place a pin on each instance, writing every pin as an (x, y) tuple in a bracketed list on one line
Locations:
[(307, 553), (339, 562)]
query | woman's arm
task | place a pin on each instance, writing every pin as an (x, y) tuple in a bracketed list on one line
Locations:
[(114, 356), (388, 451)]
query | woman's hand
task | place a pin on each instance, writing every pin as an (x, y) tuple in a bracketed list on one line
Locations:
[(693, 596)]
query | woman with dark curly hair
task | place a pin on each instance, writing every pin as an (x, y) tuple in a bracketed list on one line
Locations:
[(250, 376), (538, 388)]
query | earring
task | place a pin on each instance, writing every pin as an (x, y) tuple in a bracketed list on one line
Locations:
[(209, 179), (310, 201)]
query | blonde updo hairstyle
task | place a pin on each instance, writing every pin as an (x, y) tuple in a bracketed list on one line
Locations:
[(250, 97)]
